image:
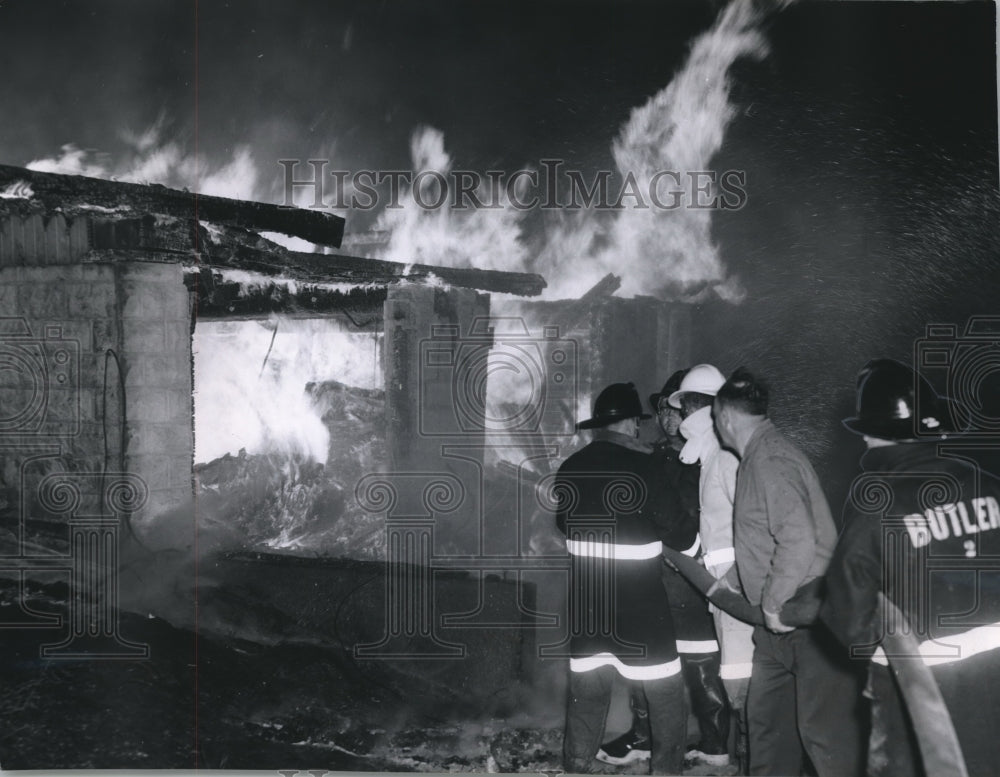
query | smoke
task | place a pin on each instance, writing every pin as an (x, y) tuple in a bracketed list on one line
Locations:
[(250, 384), (451, 235), (665, 251), (149, 158)]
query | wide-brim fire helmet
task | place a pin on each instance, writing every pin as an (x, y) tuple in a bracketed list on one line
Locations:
[(889, 406), (673, 383), (617, 402), (700, 379)]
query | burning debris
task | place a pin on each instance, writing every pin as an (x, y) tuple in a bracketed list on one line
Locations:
[(295, 503)]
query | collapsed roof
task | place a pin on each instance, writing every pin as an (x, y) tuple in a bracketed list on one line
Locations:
[(48, 218)]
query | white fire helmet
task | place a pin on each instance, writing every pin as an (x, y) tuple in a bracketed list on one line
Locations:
[(701, 379)]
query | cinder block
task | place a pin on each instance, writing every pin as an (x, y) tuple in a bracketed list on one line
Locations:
[(40, 274), (8, 297), (68, 273), (153, 469), (177, 336), (90, 404), (163, 500), (134, 370), (42, 301), (61, 414), (177, 439), (105, 334), (161, 439), (81, 332), (88, 446), (180, 406), (91, 300), (142, 300), (143, 336), (181, 469), (92, 370), (168, 371), (97, 272), (99, 367), (178, 304), (148, 405), (139, 439)]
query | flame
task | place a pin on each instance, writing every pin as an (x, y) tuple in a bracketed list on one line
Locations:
[(681, 128), (250, 384), (666, 252), (487, 238), (151, 159)]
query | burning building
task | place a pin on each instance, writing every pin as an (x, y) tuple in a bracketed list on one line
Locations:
[(126, 309)]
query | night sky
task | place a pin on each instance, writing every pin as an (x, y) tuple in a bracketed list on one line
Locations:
[(869, 137)]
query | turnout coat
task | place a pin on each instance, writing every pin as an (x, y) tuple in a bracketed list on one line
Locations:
[(617, 508), (693, 624), (923, 527)]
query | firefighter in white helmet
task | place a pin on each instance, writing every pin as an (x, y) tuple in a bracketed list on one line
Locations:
[(716, 488)]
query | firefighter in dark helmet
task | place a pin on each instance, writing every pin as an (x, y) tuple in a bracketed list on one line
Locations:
[(695, 631), (921, 540), (617, 510)]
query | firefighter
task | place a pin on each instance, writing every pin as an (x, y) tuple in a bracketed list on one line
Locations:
[(696, 642), (716, 489), (616, 510), (922, 528)]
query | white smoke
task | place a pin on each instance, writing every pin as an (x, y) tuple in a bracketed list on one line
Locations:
[(149, 158)]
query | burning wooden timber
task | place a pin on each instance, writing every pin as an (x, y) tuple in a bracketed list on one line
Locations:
[(75, 195), (47, 219)]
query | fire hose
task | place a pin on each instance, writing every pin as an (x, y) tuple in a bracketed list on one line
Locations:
[(935, 731)]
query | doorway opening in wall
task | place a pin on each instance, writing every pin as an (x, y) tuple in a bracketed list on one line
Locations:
[(289, 414)]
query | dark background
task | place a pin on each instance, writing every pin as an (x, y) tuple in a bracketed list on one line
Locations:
[(869, 137)]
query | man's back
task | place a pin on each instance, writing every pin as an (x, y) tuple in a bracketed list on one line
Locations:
[(784, 531)]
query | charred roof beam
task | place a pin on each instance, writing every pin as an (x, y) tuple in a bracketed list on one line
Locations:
[(77, 194)]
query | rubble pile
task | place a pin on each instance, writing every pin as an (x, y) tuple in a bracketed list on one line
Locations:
[(285, 502)]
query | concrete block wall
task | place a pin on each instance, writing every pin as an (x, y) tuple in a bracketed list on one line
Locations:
[(428, 340), (156, 316), (62, 327)]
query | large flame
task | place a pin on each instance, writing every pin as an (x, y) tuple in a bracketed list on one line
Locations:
[(669, 253), (487, 238), (250, 384)]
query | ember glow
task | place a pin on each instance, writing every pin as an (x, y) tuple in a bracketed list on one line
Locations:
[(250, 382)]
